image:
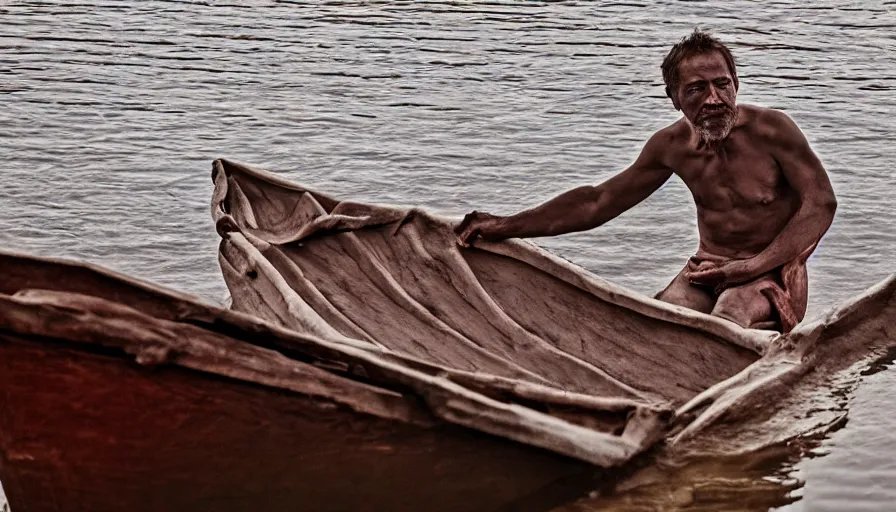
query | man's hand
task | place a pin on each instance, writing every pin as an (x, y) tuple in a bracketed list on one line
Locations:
[(725, 275), (479, 225)]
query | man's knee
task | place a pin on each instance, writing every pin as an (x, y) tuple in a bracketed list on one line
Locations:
[(743, 307), (683, 294), (731, 312), (672, 298)]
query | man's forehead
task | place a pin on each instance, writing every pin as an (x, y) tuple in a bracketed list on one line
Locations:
[(703, 66)]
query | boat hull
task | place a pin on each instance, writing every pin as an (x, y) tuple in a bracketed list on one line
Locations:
[(91, 430)]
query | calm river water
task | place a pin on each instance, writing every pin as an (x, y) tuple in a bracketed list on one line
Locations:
[(115, 110)]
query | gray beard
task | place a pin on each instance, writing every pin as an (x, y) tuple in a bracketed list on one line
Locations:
[(712, 138)]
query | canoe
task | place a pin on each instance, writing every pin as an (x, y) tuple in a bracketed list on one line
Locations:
[(369, 363)]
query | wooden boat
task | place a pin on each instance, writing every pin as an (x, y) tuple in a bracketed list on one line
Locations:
[(368, 363)]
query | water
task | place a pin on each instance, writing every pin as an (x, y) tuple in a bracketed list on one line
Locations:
[(114, 111)]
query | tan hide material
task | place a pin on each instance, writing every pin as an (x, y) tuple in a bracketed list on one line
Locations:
[(510, 317), (396, 279)]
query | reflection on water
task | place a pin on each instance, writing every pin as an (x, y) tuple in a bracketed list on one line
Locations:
[(747, 484), (114, 112), (808, 473)]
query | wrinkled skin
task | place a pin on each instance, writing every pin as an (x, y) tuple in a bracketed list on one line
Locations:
[(763, 197)]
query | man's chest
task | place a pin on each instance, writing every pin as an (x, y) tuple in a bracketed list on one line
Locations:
[(732, 178)]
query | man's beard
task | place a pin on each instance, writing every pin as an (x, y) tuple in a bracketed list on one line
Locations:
[(712, 130)]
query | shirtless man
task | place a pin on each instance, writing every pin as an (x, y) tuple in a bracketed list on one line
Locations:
[(763, 197)]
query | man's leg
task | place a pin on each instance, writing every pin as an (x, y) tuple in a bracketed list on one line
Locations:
[(681, 292), (745, 305)]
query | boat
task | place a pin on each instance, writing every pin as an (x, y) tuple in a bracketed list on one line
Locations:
[(368, 362)]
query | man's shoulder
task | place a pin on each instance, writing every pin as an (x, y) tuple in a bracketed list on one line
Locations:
[(766, 122), (664, 147), (669, 136)]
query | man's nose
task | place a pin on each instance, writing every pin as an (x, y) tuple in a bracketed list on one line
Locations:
[(714, 98)]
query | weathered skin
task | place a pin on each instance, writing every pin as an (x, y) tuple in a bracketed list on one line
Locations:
[(762, 195)]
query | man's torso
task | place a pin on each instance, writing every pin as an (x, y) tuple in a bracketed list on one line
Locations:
[(743, 199)]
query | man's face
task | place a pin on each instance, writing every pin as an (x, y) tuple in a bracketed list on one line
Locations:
[(706, 96)]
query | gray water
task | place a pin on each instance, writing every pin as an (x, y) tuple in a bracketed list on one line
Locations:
[(113, 112)]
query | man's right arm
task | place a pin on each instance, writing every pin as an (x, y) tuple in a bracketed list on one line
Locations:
[(579, 209)]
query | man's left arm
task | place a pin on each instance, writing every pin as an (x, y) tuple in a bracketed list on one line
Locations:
[(806, 175)]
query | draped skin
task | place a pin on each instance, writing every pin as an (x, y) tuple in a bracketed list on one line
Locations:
[(396, 279)]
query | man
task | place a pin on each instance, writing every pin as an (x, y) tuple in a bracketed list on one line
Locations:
[(763, 197)]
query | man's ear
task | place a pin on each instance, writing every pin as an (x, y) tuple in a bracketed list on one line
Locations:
[(672, 97)]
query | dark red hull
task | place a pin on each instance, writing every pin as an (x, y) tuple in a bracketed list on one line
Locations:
[(82, 430)]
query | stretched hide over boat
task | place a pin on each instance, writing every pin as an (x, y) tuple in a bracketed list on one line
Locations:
[(395, 280), (512, 315)]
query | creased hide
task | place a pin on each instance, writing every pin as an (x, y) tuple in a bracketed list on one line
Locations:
[(394, 281)]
